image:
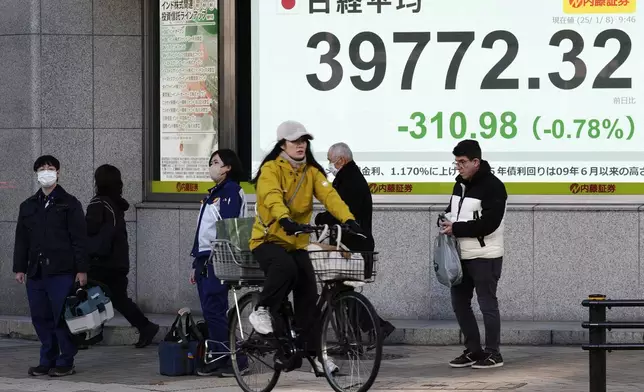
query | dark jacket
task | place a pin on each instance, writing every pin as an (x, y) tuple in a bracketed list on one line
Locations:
[(354, 190), (477, 208), (224, 201), (108, 247), (52, 237)]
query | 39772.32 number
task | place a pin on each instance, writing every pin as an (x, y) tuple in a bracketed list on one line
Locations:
[(491, 81)]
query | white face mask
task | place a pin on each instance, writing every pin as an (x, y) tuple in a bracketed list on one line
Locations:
[(47, 178), (215, 173), (332, 169)]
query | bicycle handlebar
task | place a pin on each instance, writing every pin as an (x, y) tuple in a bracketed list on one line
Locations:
[(332, 229)]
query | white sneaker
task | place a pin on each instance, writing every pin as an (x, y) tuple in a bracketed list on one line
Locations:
[(329, 364), (260, 319)]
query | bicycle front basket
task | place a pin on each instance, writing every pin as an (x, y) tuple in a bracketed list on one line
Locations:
[(233, 264), (334, 265)]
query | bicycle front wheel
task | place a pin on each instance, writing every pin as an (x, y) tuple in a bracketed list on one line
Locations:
[(252, 355), (352, 338)]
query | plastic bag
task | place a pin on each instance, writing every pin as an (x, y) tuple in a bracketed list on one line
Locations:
[(447, 260), (236, 230)]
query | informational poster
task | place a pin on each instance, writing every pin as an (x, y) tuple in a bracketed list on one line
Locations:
[(551, 89), (189, 88)]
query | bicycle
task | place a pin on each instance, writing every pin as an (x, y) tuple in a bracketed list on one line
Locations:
[(339, 309)]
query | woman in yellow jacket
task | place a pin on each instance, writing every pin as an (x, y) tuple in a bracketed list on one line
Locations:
[(286, 182)]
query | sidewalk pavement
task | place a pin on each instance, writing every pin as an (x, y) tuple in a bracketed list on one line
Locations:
[(414, 332), (404, 368)]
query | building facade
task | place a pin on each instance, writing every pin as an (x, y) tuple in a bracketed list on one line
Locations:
[(79, 79)]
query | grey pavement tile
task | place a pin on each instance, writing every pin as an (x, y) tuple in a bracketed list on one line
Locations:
[(418, 368), (19, 17), (67, 16)]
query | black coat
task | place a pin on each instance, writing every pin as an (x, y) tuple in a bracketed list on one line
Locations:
[(52, 237), (354, 190), (108, 247)]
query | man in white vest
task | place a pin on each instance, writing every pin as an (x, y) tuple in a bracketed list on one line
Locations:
[(475, 216)]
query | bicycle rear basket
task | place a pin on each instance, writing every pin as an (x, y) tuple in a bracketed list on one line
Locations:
[(233, 264), (334, 265)]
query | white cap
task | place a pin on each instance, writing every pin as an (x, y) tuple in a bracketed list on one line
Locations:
[(291, 131)]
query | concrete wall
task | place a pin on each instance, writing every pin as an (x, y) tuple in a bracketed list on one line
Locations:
[(556, 256), (70, 85)]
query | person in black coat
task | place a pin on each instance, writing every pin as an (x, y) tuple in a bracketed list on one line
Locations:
[(50, 255), (354, 190), (108, 249)]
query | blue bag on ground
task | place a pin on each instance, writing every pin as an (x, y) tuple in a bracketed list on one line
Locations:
[(181, 351), (447, 260)]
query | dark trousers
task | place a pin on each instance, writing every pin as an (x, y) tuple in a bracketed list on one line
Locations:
[(483, 276), (46, 295), (116, 282), (286, 271), (214, 303)]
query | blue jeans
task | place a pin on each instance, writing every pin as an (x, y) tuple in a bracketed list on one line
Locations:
[(213, 296), (46, 295)]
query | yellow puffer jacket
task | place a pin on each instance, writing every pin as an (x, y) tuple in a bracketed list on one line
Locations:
[(275, 186)]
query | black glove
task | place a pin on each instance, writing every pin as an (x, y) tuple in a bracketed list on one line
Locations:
[(291, 227), (354, 226)]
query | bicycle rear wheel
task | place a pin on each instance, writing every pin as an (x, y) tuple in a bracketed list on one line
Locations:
[(351, 336), (259, 375)]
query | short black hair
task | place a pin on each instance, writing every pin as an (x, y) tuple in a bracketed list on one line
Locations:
[(230, 158), (468, 148), (46, 160)]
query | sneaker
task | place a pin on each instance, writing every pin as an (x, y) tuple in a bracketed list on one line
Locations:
[(260, 319), (147, 335), (491, 360), (62, 371), (317, 366), (466, 359), (209, 370), (228, 371), (387, 329), (38, 371)]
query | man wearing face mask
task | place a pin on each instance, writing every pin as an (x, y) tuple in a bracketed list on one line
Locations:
[(49, 255), (354, 191), (353, 188)]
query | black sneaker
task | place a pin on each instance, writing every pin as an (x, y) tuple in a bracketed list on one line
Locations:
[(387, 329), (228, 370), (491, 360), (62, 371), (209, 370), (466, 359), (146, 335), (38, 371)]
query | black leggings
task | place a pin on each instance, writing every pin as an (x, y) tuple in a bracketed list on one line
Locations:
[(286, 271)]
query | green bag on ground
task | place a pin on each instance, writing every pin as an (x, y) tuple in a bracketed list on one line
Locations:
[(236, 230)]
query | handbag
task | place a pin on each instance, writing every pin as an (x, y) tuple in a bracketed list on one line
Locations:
[(182, 350), (335, 263), (447, 260)]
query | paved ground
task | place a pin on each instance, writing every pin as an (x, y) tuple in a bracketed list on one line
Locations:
[(407, 368)]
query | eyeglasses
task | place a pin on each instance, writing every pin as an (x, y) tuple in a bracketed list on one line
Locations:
[(460, 163)]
